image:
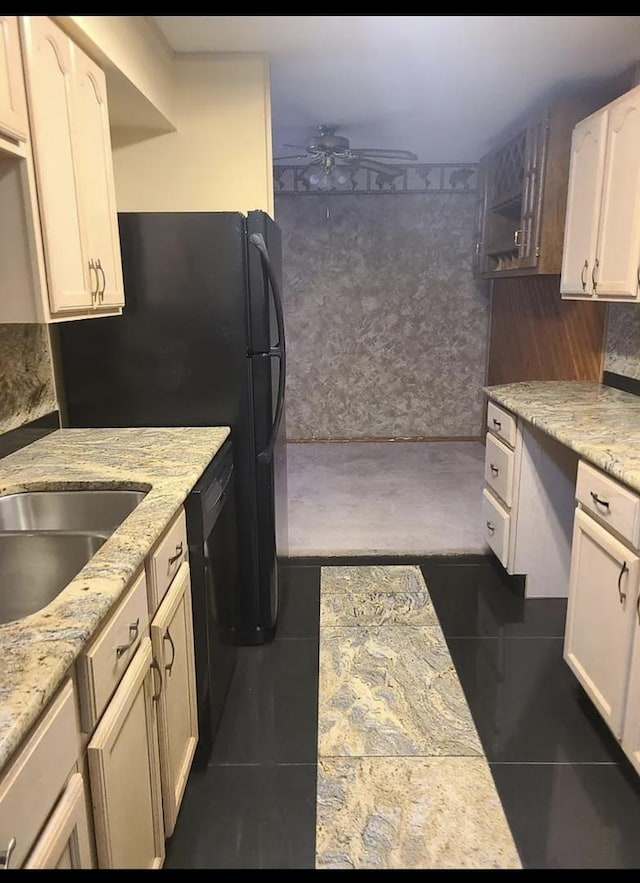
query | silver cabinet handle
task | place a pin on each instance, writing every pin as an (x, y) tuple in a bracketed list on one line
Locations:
[(583, 281), (491, 527), (134, 628), (156, 668), (5, 854), (596, 264), (100, 291), (494, 469), (94, 293), (169, 666), (596, 499), (497, 423), (174, 558), (638, 608), (517, 234), (624, 569)]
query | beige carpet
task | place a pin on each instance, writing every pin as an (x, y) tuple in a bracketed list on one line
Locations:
[(385, 498)]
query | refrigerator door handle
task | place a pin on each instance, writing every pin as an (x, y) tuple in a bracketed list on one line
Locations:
[(266, 455), (278, 352)]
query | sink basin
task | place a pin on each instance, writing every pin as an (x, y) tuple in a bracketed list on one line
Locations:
[(78, 510), (35, 567)]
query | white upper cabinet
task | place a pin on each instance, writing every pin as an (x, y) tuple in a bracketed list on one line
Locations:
[(583, 200), (50, 83), (601, 257), (67, 103), (13, 107), (95, 166)]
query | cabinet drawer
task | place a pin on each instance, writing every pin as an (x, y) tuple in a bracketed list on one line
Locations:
[(103, 664), (613, 504), (501, 423), (165, 560), (30, 788), (498, 469), (496, 522)]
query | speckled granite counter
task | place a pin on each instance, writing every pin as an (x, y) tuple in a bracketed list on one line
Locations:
[(403, 782), (37, 651), (599, 423)]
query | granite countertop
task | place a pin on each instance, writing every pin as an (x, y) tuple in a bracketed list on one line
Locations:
[(38, 650), (599, 423)]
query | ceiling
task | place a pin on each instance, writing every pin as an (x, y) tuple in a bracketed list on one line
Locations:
[(440, 86)]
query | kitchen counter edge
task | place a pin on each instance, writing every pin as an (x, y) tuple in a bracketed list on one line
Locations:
[(600, 423)]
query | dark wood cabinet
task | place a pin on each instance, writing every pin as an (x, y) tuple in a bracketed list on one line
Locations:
[(522, 193)]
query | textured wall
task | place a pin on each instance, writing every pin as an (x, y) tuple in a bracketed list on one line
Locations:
[(622, 348), (386, 328), (26, 376)]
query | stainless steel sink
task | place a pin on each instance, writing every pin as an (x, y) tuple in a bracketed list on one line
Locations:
[(36, 567), (77, 510)]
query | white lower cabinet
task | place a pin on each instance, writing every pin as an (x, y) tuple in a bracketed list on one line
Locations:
[(141, 748), (64, 844), (601, 610), (631, 732), (528, 502), (172, 640), (43, 808), (602, 635), (125, 772)]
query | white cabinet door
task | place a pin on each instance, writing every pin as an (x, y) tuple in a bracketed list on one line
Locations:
[(618, 250), (64, 843), (583, 205), (172, 639), (600, 616), (125, 774), (631, 731), (50, 82), (95, 165), (13, 105)]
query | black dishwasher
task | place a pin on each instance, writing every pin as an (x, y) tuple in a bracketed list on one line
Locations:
[(213, 558)]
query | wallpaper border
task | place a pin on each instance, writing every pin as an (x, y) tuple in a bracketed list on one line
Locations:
[(407, 178)]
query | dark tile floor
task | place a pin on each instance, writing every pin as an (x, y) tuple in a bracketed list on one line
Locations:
[(254, 806), (570, 796)]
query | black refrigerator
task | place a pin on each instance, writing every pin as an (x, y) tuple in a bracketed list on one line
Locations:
[(201, 342)]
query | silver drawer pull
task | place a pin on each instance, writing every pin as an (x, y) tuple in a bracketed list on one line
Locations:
[(494, 469), (638, 608), (156, 668), (624, 569), (497, 423), (169, 666), (596, 499), (491, 527), (5, 854), (178, 555), (134, 628)]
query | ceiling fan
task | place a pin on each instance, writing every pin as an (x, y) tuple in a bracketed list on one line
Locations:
[(331, 156)]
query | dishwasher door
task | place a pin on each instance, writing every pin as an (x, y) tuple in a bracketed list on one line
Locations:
[(213, 558)]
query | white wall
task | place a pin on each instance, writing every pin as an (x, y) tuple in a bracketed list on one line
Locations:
[(220, 156)]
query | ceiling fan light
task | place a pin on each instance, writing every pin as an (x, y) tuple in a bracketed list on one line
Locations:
[(341, 177), (326, 181)]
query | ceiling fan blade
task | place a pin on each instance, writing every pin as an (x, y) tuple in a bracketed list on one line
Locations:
[(296, 156), (361, 162), (295, 146), (387, 154)]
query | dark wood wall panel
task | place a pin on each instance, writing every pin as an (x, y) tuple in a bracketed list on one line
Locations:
[(535, 335)]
